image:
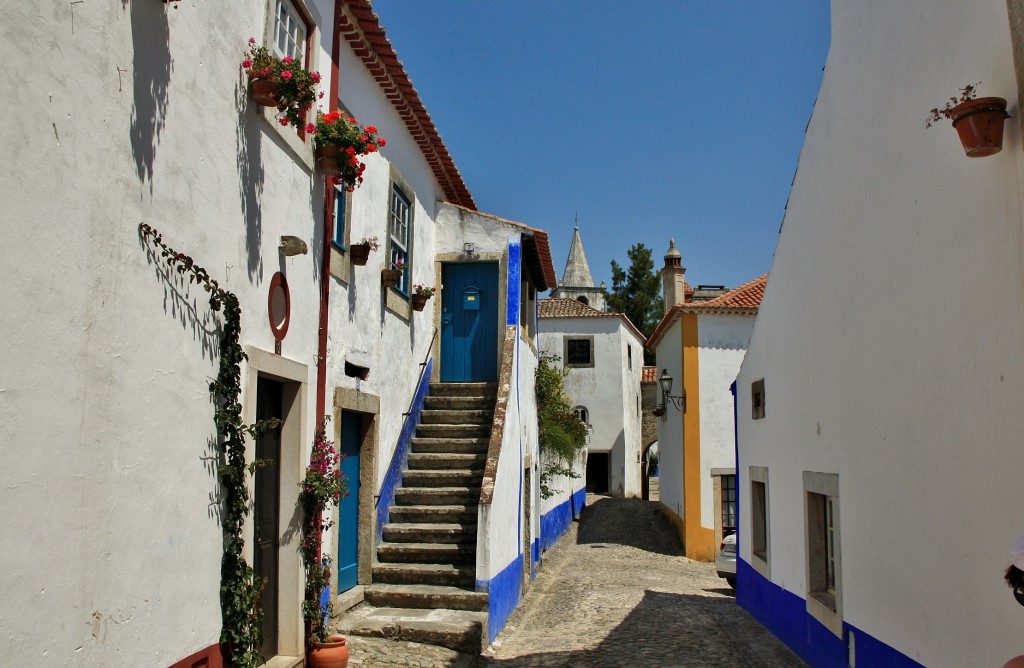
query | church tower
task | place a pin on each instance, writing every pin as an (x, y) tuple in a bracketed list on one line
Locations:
[(577, 282)]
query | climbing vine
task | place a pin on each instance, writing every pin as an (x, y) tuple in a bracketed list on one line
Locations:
[(563, 435), (240, 587)]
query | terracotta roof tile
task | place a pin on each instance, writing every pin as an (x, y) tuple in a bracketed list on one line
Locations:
[(746, 298), (561, 307), (649, 374)]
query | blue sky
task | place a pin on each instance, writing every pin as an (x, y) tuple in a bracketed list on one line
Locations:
[(650, 120)]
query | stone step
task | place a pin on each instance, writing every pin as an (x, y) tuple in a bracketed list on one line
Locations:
[(416, 532), (442, 478), (427, 553), (432, 574), (434, 514), (460, 417), (460, 630), (459, 403), (438, 496), (453, 430), (447, 460), (425, 596), (475, 445), (464, 390)]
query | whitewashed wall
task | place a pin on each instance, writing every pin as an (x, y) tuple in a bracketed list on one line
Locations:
[(669, 353), (890, 337), (140, 115), (722, 342), (631, 408)]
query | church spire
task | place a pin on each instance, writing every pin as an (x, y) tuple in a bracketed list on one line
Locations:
[(577, 271)]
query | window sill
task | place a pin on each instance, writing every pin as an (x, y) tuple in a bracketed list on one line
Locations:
[(399, 304), (341, 264), (825, 612), (287, 137)]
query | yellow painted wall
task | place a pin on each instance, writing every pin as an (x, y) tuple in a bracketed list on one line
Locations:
[(698, 541)]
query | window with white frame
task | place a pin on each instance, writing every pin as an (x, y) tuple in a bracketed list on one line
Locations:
[(582, 413), (290, 31), (822, 547), (340, 226), (399, 235), (760, 536)]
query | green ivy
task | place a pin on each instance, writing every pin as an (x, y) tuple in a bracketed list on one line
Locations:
[(240, 587), (563, 435)]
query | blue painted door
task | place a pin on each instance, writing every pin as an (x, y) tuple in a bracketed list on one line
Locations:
[(348, 508), (469, 322)]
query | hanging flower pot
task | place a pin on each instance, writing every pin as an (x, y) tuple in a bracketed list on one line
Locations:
[(359, 253), (264, 92), (330, 654), (979, 123), (419, 302), (390, 278), (327, 159)]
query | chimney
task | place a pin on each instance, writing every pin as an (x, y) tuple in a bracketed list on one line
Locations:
[(673, 277)]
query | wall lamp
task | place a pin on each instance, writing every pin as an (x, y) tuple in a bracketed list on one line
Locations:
[(678, 402)]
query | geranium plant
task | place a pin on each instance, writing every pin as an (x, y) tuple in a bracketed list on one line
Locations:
[(372, 242), (295, 85), (398, 264), (423, 291), (342, 132), (967, 93), (324, 485)]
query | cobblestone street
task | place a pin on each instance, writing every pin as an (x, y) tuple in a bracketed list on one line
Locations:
[(612, 593)]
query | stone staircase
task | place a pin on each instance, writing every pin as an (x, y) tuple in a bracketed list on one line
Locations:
[(424, 580)]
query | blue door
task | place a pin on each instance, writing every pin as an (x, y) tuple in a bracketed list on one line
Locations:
[(469, 322), (348, 508)]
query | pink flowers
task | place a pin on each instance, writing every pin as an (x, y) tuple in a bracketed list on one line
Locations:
[(252, 40), (310, 128), (286, 75), (315, 76), (247, 63), (287, 60)]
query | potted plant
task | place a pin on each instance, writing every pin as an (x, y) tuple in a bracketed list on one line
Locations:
[(282, 83), (978, 121), (338, 141), (420, 295), (391, 277), (360, 252), (323, 486)]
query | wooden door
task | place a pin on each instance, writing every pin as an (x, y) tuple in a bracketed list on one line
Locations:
[(266, 509)]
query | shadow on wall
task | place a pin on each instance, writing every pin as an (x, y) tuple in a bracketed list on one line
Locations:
[(248, 158), (612, 521), (675, 630), (151, 76)]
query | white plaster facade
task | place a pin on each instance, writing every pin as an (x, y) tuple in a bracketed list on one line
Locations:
[(889, 344), (608, 388)]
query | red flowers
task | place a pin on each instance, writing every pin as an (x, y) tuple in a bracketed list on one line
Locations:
[(340, 130)]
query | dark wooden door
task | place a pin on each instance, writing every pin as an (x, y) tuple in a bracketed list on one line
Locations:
[(266, 509)]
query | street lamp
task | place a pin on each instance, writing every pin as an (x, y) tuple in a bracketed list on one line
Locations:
[(678, 402)]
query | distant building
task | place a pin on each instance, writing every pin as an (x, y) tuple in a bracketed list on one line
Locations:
[(603, 353), (699, 345), (577, 282)]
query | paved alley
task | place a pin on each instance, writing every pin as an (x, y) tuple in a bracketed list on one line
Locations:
[(613, 593)]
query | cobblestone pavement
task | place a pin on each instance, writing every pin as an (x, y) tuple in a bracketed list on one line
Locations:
[(612, 592)]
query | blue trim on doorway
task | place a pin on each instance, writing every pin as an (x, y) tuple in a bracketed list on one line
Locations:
[(503, 593), (785, 615), (393, 478), (515, 260)]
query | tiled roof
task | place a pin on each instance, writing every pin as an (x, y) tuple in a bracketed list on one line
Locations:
[(368, 40), (744, 300), (649, 374), (560, 307)]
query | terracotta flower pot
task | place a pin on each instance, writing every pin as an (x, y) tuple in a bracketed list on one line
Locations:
[(419, 302), (264, 92), (327, 159), (331, 654), (390, 277), (359, 253), (979, 123)]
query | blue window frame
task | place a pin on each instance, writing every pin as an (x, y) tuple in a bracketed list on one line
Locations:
[(339, 218), (400, 235)]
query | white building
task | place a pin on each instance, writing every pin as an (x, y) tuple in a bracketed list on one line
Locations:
[(603, 354), (878, 405), (699, 345), (110, 465)]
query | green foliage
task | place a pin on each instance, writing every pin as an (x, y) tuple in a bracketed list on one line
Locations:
[(240, 588), (636, 292), (296, 86), (563, 435), (353, 140)]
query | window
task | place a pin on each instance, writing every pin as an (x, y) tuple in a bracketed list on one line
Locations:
[(760, 538), (757, 399), (629, 356), (823, 555), (339, 218), (728, 504), (579, 351), (399, 234), (582, 413), (290, 31)]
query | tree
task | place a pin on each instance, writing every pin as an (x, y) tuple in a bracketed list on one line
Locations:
[(637, 292), (563, 435)]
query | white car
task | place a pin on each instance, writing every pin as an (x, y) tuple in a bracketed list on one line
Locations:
[(725, 562)]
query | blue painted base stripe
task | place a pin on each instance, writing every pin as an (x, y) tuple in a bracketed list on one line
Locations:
[(503, 593), (785, 615), (556, 521)]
